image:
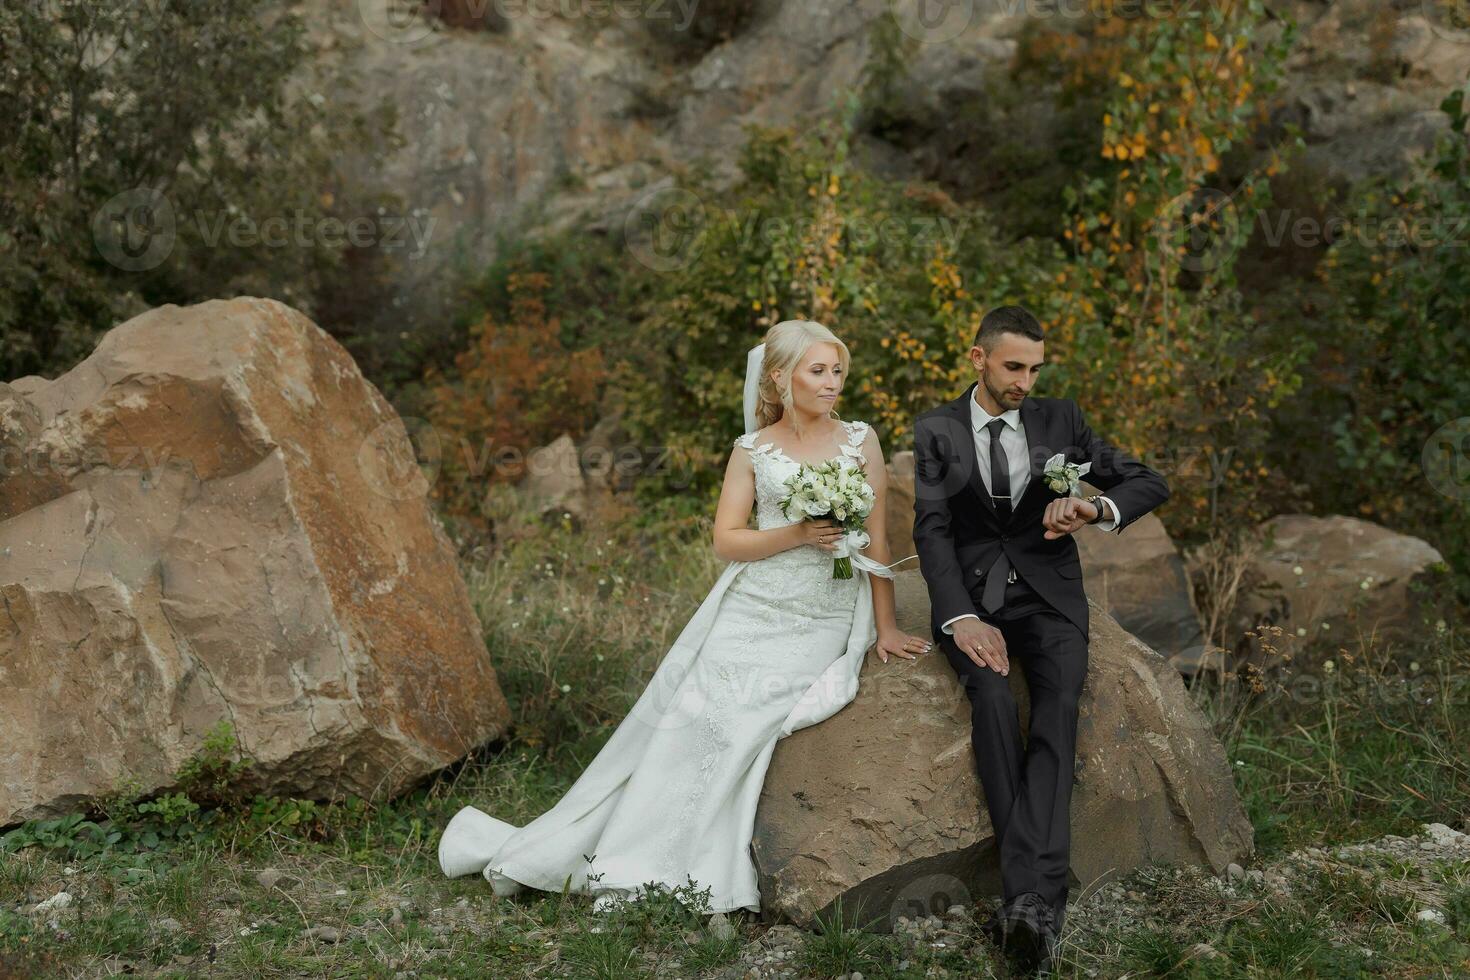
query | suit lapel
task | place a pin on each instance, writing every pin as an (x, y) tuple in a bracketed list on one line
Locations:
[(1035, 427)]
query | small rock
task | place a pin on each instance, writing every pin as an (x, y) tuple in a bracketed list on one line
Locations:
[(719, 926), (269, 878), (58, 901), (1443, 835), (326, 934), (170, 925), (1234, 871), (396, 919), (1203, 951), (1431, 915)]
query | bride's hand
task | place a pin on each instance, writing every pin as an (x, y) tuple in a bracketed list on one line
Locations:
[(822, 532), (900, 644)]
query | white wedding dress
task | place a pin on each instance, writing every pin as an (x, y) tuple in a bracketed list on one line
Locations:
[(775, 646)]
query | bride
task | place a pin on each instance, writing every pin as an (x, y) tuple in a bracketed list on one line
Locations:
[(775, 646)]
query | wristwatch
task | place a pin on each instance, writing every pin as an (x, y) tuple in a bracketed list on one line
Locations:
[(1096, 501)]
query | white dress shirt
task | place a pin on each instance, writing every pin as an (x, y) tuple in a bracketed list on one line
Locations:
[(1017, 450)]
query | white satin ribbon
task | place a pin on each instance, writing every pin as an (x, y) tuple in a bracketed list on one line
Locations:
[(853, 542)]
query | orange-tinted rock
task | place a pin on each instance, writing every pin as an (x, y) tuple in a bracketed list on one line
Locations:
[(216, 517), (880, 805)]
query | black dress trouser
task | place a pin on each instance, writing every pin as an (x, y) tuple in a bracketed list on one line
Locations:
[(1028, 793)]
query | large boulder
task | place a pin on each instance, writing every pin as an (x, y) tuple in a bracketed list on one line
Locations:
[(880, 806), (215, 517), (1314, 577), (1140, 578)]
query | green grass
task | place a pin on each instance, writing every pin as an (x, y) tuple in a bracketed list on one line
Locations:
[(1347, 744), (164, 890)]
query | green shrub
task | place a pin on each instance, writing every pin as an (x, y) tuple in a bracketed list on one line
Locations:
[(147, 146), (1393, 338)]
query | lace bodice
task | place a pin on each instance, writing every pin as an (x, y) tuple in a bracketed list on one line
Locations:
[(772, 467)]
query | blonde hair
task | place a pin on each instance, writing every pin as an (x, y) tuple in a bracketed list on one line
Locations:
[(786, 344)]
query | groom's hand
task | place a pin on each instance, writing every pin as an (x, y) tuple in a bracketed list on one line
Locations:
[(1065, 515), (983, 644)]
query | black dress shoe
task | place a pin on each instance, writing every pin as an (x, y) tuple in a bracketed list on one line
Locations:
[(1026, 923)]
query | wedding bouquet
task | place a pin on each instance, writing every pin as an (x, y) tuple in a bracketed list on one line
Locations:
[(838, 492)]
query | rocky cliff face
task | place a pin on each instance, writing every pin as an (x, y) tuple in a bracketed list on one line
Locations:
[(548, 121)]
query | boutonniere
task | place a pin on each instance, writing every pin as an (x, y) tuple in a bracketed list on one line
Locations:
[(1062, 476)]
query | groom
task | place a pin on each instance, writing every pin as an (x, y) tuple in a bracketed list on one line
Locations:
[(1005, 583)]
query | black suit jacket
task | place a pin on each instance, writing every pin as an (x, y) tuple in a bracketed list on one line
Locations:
[(958, 533)]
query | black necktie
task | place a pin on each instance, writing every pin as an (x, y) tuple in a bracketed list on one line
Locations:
[(1000, 472), (1000, 492)]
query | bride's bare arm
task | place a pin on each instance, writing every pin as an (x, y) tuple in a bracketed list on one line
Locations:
[(735, 540)]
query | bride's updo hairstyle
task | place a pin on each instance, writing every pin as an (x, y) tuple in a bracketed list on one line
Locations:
[(786, 344)]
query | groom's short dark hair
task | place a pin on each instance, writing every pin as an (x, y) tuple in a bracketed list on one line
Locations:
[(1007, 319)]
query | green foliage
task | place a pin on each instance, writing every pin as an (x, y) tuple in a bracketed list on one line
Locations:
[(580, 616), (807, 234), (1351, 744), (836, 948), (72, 833), (1145, 312), (1149, 316), (134, 822), (212, 774), (138, 136), (1396, 366)]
